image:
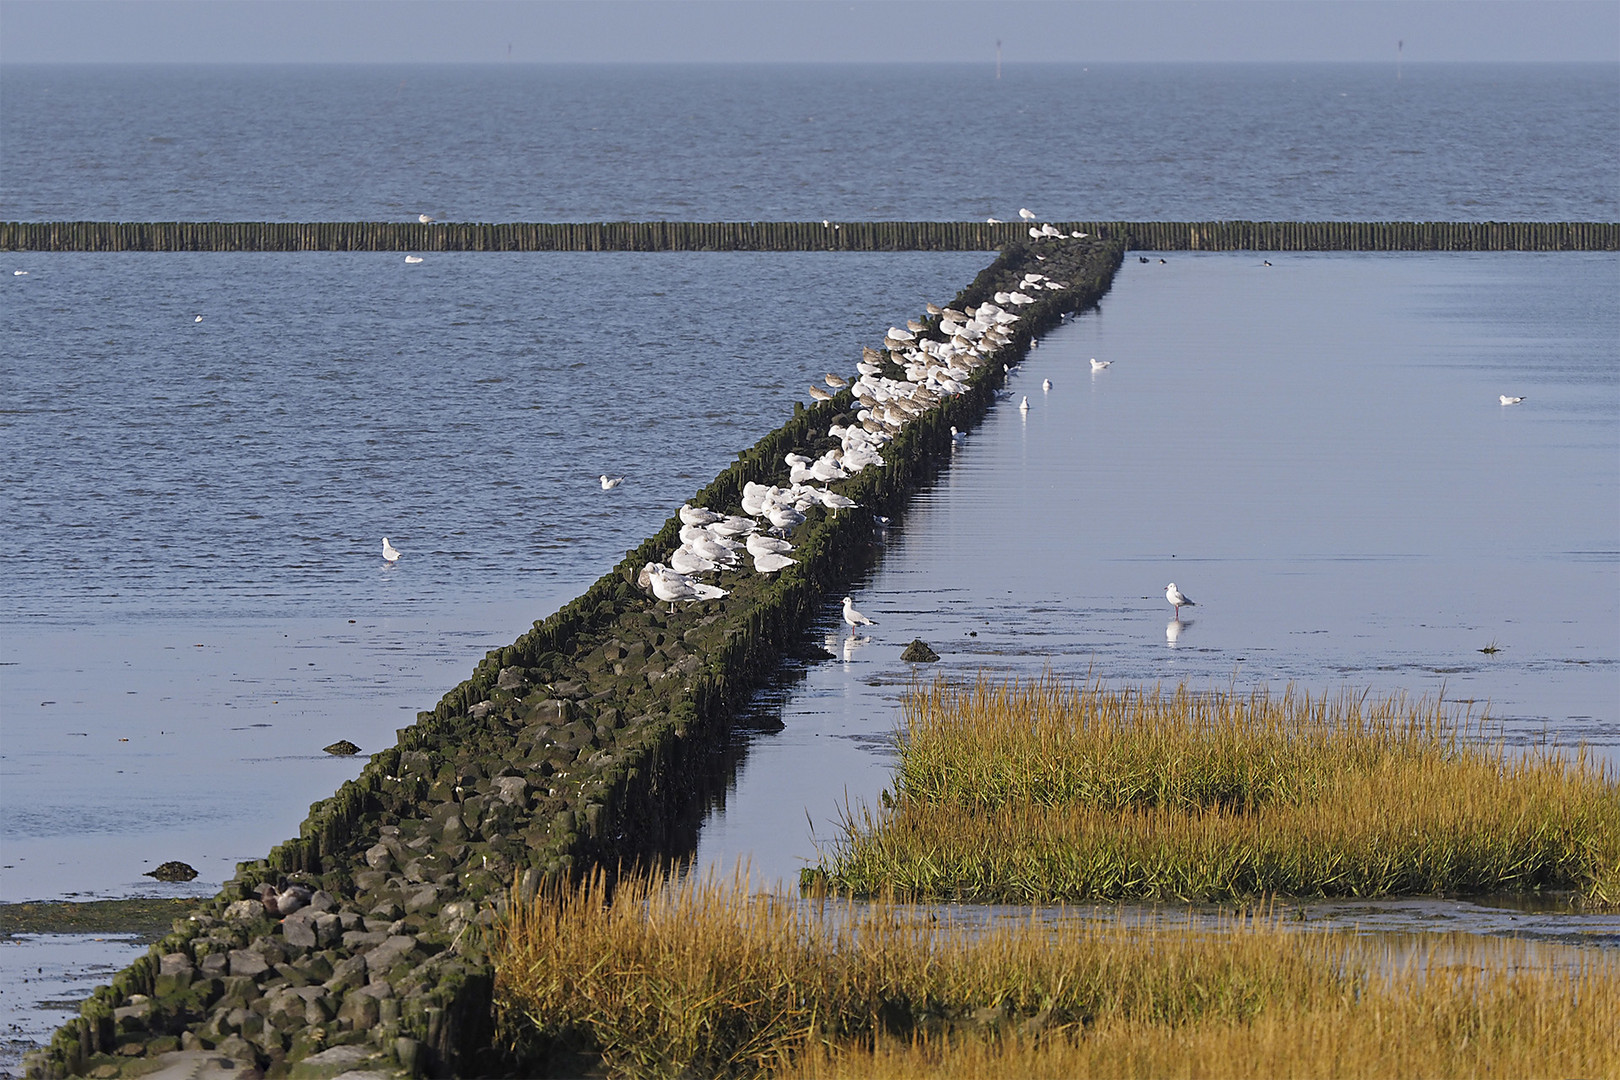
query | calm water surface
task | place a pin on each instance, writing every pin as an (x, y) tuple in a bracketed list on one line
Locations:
[(194, 598), (781, 142), (1315, 453)]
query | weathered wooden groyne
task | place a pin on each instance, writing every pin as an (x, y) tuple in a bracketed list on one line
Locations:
[(800, 235), (591, 741)]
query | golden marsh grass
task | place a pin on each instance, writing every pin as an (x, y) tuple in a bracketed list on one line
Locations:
[(1046, 792), (699, 978)]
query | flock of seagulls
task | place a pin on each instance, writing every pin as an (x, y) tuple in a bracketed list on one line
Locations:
[(713, 543), (936, 363)]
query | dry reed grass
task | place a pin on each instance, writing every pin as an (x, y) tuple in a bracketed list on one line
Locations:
[(700, 978), (1046, 792)]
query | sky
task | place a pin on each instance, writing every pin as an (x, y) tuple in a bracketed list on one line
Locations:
[(776, 31)]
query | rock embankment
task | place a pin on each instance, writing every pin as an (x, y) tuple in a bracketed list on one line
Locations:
[(590, 741)]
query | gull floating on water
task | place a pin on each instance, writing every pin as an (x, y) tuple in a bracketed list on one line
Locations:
[(19, 273), (197, 319), (413, 259), (1023, 406), (610, 482), (1510, 400), (1098, 365), (390, 552), (1177, 598), (1046, 386), (853, 617)]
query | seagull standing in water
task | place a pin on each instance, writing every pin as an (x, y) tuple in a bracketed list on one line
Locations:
[(1177, 598), (390, 552), (853, 617)]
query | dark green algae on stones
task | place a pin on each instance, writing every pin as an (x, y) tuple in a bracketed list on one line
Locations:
[(592, 741)]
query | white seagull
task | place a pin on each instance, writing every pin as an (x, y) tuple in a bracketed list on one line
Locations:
[(853, 617), (1509, 400), (1098, 365), (1027, 214), (390, 552), (1046, 386), (413, 259), (197, 319), (1023, 406), (424, 219), (1177, 598), (610, 482)]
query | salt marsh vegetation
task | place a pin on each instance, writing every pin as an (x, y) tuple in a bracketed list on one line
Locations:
[(1046, 792), (705, 978)]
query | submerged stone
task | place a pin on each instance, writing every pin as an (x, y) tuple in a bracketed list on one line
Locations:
[(172, 871), (342, 748), (918, 652)]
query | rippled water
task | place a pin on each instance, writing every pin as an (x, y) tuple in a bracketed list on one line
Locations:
[(1313, 451), (802, 143), (194, 601)]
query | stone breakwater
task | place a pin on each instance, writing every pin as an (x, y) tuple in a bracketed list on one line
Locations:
[(591, 741)]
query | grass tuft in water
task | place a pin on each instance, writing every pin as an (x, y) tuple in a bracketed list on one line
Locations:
[(699, 978), (1046, 792)]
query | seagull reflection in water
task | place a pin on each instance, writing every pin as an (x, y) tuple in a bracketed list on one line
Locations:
[(1173, 630), (853, 643)]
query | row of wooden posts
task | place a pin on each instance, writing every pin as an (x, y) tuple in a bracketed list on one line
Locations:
[(799, 235)]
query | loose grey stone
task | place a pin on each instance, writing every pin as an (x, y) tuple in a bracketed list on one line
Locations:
[(512, 789), (299, 929), (327, 1062), (378, 857), (175, 963), (249, 963), (244, 911), (390, 952), (328, 928), (424, 897)]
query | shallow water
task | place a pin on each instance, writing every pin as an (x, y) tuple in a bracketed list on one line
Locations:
[(44, 977), (194, 602), (1315, 453)]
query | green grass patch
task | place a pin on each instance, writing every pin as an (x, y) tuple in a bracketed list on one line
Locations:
[(1047, 792)]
